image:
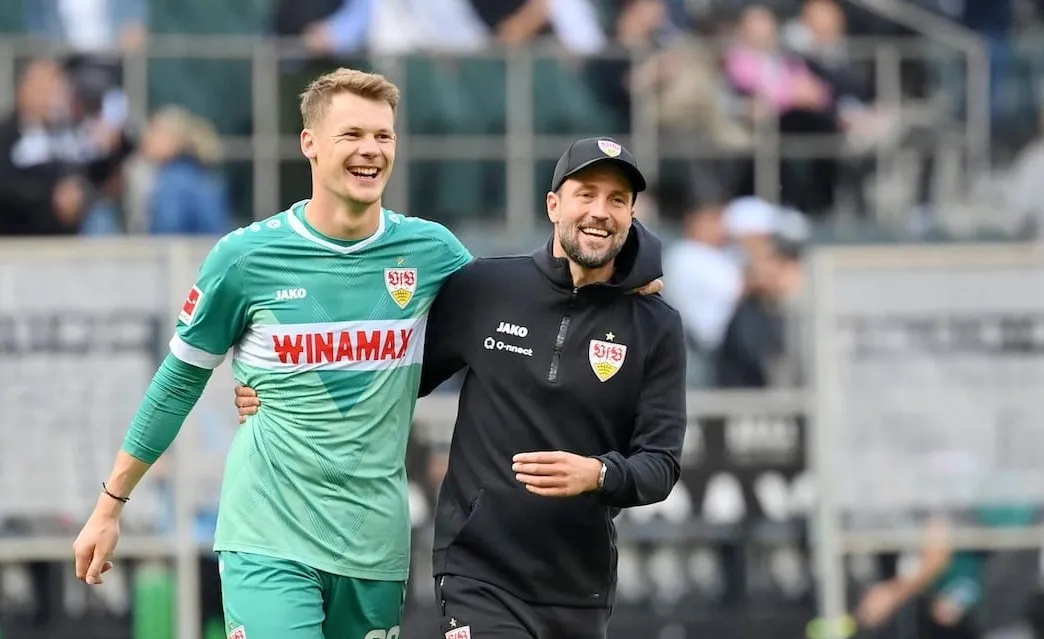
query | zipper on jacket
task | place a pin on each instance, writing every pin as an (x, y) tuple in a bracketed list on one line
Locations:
[(560, 338)]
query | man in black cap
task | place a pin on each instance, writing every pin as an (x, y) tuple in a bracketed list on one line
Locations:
[(573, 407)]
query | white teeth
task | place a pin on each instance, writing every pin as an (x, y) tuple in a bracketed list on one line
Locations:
[(596, 232), (363, 172)]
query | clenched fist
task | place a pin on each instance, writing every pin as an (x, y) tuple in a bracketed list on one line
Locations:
[(247, 402)]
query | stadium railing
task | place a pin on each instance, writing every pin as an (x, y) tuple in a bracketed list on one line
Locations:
[(522, 146)]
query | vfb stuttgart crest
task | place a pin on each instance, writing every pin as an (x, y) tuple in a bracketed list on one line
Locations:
[(237, 633), (401, 283), (464, 632), (606, 358), (609, 147)]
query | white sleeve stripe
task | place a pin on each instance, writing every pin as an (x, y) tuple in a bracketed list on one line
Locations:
[(192, 355)]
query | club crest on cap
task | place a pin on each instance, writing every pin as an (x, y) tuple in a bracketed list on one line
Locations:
[(610, 148)]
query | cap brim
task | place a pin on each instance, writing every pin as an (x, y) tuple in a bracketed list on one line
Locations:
[(633, 174)]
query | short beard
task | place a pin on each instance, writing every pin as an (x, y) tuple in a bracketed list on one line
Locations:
[(570, 243)]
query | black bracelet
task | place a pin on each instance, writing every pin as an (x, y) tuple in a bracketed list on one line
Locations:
[(122, 500)]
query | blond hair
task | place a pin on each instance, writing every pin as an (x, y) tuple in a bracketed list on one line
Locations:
[(370, 86), (198, 136)]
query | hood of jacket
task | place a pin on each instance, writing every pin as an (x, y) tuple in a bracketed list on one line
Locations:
[(639, 262)]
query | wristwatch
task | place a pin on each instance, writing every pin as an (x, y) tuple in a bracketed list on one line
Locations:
[(601, 476)]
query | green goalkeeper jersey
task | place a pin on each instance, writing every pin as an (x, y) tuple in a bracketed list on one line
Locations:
[(330, 334)]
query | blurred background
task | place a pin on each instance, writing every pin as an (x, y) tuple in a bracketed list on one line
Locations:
[(850, 193)]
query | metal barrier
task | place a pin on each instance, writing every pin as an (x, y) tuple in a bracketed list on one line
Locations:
[(520, 147), (926, 368)]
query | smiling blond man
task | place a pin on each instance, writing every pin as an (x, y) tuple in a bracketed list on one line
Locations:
[(324, 308)]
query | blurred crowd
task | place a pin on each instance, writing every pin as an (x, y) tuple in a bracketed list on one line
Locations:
[(71, 164), (719, 69), (737, 278)]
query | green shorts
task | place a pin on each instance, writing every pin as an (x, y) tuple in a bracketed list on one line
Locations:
[(269, 598)]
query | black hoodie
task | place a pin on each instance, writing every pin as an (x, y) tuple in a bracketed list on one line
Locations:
[(597, 371)]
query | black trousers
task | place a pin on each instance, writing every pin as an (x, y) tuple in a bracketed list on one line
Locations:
[(473, 609)]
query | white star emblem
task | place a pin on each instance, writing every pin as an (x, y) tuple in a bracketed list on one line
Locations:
[(453, 622), (609, 336), (401, 261)]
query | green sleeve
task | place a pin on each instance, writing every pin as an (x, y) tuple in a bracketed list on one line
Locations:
[(457, 255), (175, 389), (215, 312), (962, 581)]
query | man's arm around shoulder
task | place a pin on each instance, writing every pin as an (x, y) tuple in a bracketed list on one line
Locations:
[(449, 325), (652, 466)]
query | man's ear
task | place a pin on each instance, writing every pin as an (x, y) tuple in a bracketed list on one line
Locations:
[(552, 206), (308, 144)]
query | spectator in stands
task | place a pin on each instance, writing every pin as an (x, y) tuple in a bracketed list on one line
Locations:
[(753, 339), (42, 187), (101, 122), (757, 67), (779, 84), (943, 588), (90, 27), (328, 28), (187, 196), (643, 25), (706, 285), (706, 280), (754, 351), (819, 35), (92, 30), (408, 26), (516, 22), (691, 98)]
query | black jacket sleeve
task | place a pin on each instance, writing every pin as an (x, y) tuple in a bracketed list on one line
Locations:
[(449, 322), (648, 473)]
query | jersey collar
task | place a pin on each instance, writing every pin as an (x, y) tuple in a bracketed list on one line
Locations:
[(301, 229)]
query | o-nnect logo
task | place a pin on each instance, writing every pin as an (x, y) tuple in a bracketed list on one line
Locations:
[(493, 344)]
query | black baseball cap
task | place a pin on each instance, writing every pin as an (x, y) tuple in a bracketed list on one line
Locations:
[(589, 151)]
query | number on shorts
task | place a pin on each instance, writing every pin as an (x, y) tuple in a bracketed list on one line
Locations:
[(390, 633)]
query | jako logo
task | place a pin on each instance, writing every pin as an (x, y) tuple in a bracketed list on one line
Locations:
[(291, 294), (513, 329)]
